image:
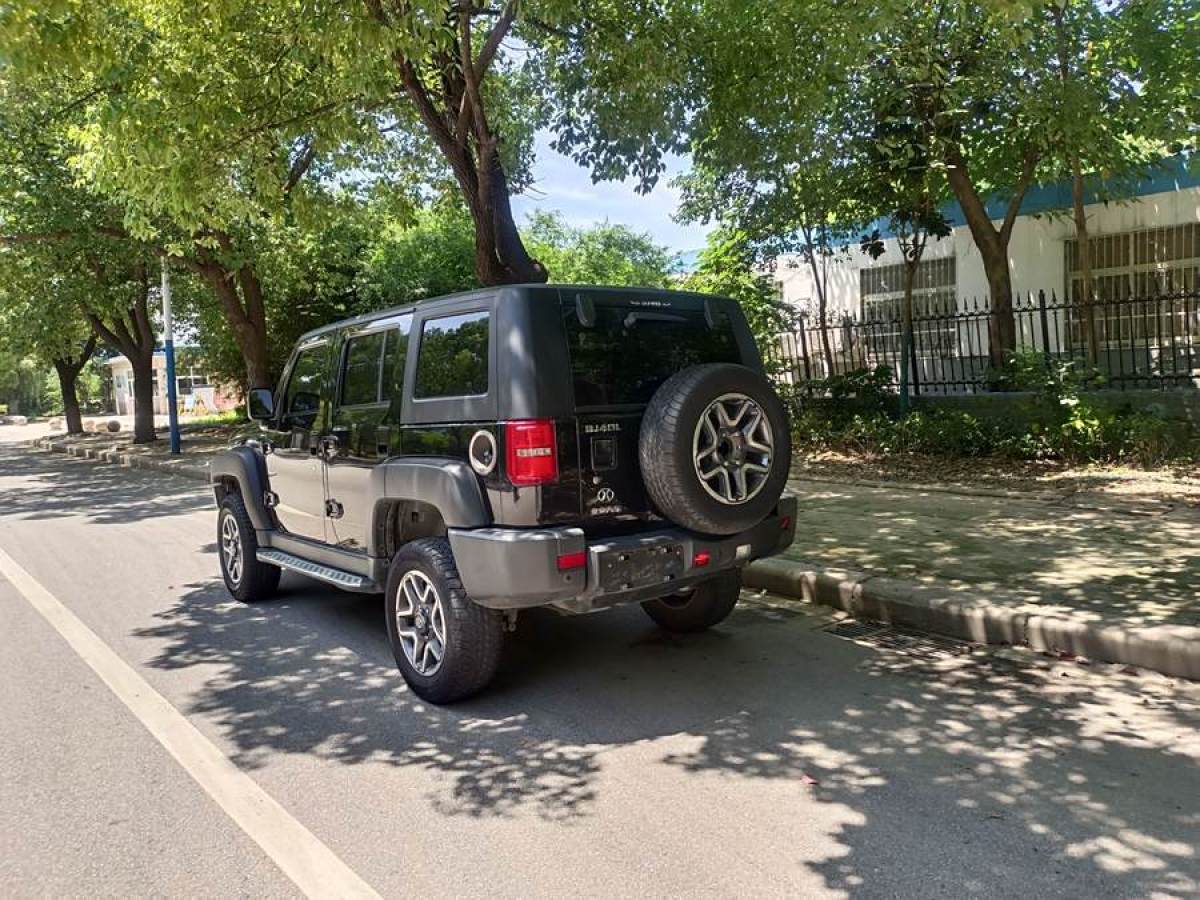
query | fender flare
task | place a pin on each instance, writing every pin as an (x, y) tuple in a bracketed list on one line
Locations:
[(247, 467), (448, 485)]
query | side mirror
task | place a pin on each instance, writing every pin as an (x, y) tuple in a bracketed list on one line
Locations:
[(260, 404)]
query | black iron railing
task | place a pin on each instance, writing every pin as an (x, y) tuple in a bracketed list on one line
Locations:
[(1133, 342)]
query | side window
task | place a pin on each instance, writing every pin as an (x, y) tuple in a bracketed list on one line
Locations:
[(395, 354), (302, 397), (362, 369), (453, 360)]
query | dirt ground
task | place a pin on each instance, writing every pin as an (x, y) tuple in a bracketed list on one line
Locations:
[(1175, 484)]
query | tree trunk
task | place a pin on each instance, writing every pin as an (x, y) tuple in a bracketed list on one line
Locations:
[(1002, 326), (132, 336), (67, 383), (992, 243), (907, 349), (500, 254), (143, 399), (1083, 249), (68, 368), (810, 253), (240, 296)]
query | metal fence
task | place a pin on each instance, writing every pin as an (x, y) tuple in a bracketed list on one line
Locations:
[(1139, 342)]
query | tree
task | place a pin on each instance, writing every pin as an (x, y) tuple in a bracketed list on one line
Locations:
[(1126, 98), (194, 129), (442, 54), (728, 267), (39, 314), (770, 111), (426, 256), (901, 173), (603, 253), (65, 249)]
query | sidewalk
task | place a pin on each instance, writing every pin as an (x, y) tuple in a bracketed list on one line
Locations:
[(1086, 574), (1083, 574)]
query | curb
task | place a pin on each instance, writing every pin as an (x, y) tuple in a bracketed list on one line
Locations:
[(1169, 649), (115, 456)]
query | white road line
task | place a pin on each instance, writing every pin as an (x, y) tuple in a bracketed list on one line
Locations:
[(315, 869)]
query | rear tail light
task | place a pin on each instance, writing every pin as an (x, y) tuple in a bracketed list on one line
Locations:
[(530, 451), (701, 559)]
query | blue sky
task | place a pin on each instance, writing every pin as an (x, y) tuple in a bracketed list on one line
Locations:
[(559, 184)]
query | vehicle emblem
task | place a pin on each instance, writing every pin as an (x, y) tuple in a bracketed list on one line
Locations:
[(606, 495)]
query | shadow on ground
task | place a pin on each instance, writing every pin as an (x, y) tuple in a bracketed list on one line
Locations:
[(1100, 565), (55, 485), (1030, 771)]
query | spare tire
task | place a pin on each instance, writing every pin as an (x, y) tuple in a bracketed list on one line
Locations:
[(715, 448)]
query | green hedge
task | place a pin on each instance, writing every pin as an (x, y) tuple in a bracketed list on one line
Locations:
[(857, 412)]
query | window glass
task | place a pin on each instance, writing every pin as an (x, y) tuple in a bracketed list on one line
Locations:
[(395, 354), (453, 359), (360, 376), (302, 398), (628, 352)]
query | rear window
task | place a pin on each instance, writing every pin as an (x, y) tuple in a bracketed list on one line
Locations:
[(629, 351)]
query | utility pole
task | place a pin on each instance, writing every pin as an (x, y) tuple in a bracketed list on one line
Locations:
[(169, 346)]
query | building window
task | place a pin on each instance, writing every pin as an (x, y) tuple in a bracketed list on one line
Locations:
[(1131, 271), (192, 378), (934, 305)]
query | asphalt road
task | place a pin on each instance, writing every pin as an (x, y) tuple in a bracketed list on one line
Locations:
[(767, 758)]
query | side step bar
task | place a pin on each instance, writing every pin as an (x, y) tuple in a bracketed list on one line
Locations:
[(345, 580)]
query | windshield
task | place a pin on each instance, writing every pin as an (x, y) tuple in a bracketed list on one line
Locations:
[(630, 349)]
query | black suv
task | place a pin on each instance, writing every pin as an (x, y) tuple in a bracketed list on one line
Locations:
[(475, 455)]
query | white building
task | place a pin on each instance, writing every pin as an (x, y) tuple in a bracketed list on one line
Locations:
[(195, 391), (1143, 246)]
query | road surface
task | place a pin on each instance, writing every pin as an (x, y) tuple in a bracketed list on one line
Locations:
[(770, 757)]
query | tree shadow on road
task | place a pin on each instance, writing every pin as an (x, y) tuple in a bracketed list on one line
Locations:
[(1031, 769), (55, 485)]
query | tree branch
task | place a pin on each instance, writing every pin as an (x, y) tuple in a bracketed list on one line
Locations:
[(1028, 167), (300, 165), (491, 43)]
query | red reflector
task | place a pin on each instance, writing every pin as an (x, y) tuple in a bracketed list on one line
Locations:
[(785, 523), (701, 559), (530, 451), (572, 561)]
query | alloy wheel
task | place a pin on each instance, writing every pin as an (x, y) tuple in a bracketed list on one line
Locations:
[(732, 449), (231, 548), (420, 622)]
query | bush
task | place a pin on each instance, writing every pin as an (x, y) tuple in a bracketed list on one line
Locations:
[(1057, 425)]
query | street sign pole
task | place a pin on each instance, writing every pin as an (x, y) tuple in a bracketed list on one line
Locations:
[(169, 346)]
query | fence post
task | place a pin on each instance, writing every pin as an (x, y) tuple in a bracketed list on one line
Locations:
[(804, 354), (1045, 326)]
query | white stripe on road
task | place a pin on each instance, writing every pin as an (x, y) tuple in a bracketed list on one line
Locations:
[(314, 868)]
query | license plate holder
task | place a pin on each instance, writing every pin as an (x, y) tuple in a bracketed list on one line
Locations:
[(622, 569)]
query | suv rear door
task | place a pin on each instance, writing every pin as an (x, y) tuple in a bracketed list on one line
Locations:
[(623, 345), (365, 422)]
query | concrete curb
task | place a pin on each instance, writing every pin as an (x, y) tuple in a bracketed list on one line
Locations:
[(1169, 649), (116, 456)]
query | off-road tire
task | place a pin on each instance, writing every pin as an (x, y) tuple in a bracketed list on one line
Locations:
[(707, 604), (474, 634), (257, 580), (665, 448)]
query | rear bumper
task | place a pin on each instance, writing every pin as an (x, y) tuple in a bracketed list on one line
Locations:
[(509, 568)]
